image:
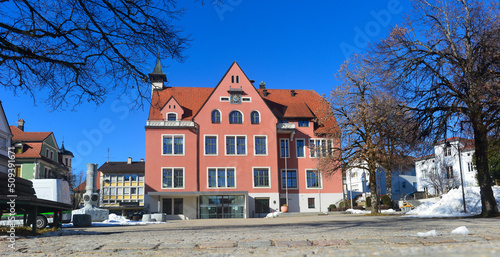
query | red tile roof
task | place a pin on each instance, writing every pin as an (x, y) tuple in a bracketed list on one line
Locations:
[(19, 135), (304, 104), (81, 187), (31, 150), (190, 98)]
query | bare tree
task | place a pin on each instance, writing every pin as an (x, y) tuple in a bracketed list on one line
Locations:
[(351, 104), (397, 136), (441, 182), (76, 50), (446, 58)]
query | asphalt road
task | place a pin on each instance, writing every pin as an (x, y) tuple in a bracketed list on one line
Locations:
[(326, 235)]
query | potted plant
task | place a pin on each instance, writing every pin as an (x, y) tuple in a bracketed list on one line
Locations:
[(284, 208)]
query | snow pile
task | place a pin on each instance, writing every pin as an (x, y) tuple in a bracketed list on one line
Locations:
[(352, 211), (113, 218), (451, 204), (116, 220), (427, 234), (273, 214), (460, 231)]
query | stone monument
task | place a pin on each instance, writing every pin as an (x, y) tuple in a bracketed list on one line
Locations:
[(91, 198)]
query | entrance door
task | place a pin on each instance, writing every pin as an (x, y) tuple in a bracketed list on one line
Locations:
[(261, 206), (223, 206), (167, 206)]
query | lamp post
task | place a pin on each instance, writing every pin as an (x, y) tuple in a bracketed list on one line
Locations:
[(461, 176), (350, 187)]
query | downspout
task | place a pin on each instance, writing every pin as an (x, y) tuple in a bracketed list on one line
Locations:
[(197, 131)]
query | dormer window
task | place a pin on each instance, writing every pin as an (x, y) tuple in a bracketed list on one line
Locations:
[(172, 116)]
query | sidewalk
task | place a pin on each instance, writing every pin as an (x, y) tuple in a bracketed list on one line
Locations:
[(326, 235)]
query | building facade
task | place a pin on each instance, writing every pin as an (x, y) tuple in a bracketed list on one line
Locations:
[(121, 187), (38, 155), (403, 181), (5, 141), (235, 151), (441, 171)]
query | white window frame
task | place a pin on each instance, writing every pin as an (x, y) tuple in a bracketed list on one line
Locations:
[(176, 116), (260, 117), (183, 178), (320, 179), (220, 116), (173, 144), (224, 98), (312, 147), (268, 173), (235, 145), (304, 148), (246, 99), (229, 117), (297, 177), (255, 144), (216, 145), (217, 178), (288, 144)]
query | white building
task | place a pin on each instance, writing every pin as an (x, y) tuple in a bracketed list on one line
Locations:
[(441, 171), (5, 140), (403, 181)]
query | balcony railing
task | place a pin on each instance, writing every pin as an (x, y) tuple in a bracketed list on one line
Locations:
[(285, 126), (170, 124)]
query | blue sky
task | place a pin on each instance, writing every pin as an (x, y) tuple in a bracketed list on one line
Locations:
[(287, 44)]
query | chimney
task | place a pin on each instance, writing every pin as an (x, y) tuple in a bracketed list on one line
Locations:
[(265, 92), (262, 85), (142, 159), (20, 124), (129, 161), (293, 92)]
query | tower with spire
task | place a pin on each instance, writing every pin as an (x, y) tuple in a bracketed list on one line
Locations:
[(66, 156), (157, 77)]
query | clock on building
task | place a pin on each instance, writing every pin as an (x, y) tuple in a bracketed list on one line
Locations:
[(235, 98)]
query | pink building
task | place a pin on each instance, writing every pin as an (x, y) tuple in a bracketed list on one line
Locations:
[(227, 152)]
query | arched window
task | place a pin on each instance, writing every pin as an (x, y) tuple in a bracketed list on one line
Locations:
[(172, 117), (235, 117), (255, 117), (216, 116)]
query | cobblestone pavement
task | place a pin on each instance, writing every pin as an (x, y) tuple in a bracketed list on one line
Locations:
[(327, 235)]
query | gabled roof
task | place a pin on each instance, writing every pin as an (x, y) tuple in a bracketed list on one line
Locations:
[(190, 98), (122, 167), (285, 104), (19, 135)]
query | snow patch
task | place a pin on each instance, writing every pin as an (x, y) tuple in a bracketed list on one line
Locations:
[(116, 220), (273, 214), (460, 231), (427, 234)]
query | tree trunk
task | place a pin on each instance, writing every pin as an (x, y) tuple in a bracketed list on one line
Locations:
[(489, 204), (372, 169)]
